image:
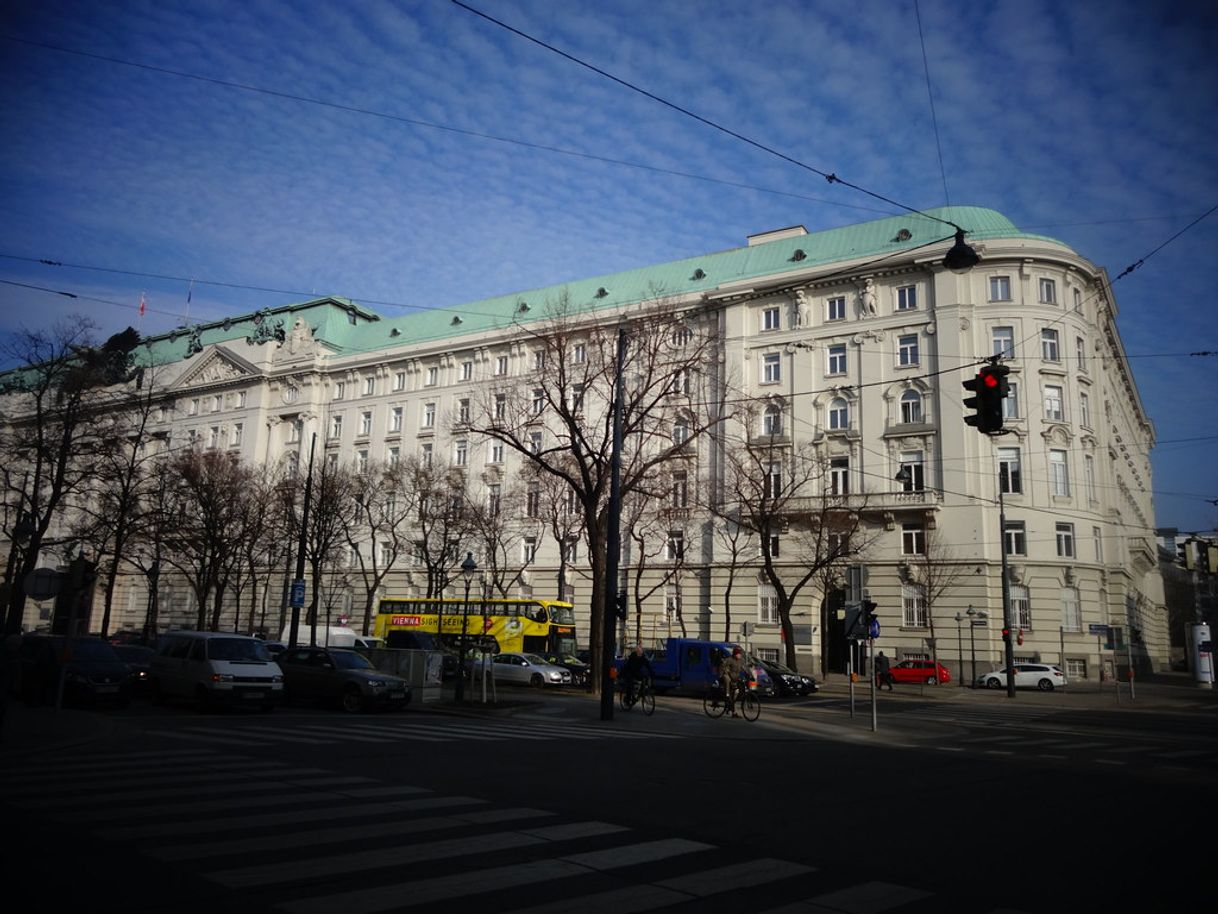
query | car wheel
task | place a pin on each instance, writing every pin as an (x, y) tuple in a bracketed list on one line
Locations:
[(536, 681), (1045, 685), (993, 683), (352, 700), (932, 680)]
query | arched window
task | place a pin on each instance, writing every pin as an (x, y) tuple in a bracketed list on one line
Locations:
[(839, 414), (911, 406), (771, 420), (680, 430)]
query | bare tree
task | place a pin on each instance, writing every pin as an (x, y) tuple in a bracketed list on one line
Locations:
[(657, 554), (386, 503), (550, 500), (935, 572), (498, 525), (331, 511), (740, 544), (441, 522), (559, 420)]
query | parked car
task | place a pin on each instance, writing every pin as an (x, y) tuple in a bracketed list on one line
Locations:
[(580, 671), (340, 675), (1043, 676), (920, 671), (786, 681), (92, 673), (211, 668), (139, 665), (528, 669)]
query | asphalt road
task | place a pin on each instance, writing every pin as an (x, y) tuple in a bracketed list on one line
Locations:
[(977, 807)]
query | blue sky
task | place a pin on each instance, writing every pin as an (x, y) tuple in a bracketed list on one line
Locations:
[(1088, 121)]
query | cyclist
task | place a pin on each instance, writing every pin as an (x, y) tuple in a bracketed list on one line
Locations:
[(731, 671), (632, 670)]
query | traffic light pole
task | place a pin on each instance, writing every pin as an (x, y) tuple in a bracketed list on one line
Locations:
[(1008, 651)]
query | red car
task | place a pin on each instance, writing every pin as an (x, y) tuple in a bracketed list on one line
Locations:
[(918, 671)]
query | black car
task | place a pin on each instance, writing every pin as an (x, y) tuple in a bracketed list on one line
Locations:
[(786, 681), (139, 664), (321, 674), (92, 672), (580, 671)]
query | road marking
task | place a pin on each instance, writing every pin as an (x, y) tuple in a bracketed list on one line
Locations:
[(617, 901), (999, 752), (617, 857), (741, 875), (950, 748), (869, 898), (1184, 753), (111, 797), (1107, 761)]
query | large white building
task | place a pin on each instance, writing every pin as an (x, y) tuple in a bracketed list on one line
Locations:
[(856, 340)]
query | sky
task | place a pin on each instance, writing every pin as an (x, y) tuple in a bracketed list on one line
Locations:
[(411, 153)]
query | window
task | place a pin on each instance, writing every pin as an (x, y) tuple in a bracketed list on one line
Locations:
[(463, 411), (467, 371), (1059, 473), (674, 549), (386, 555), (913, 470), (771, 368), (1097, 538), (907, 350), (835, 309), (771, 483), (433, 374), (913, 606), (577, 399), (770, 546), (771, 319), (461, 452), (1053, 404), (494, 497), (365, 423), (340, 389), (361, 460), (495, 454), (395, 419), (1080, 352), (213, 436), (193, 408), (1000, 288), (294, 431), (332, 462), (680, 490), (1014, 539), (1078, 300), (429, 415), (418, 552), (911, 407), (907, 298), (539, 401), (336, 426), (238, 431), (580, 353), (1021, 609), (1010, 405), (771, 420), (571, 503), (681, 335), (913, 539), (680, 382), (1003, 342), (1065, 540), (1049, 350), (1076, 668), (369, 386), (534, 442), (501, 365), (839, 476), (395, 456), (767, 605), (570, 549), (1084, 409), (1089, 477), (539, 359), (217, 402), (839, 414), (532, 500), (399, 380), (836, 359), (1009, 477), (680, 430), (500, 406), (425, 452), (528, 550), (1048, 291)]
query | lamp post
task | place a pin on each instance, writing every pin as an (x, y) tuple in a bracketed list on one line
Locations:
[(468, 568), (960, 643), (979, 614)]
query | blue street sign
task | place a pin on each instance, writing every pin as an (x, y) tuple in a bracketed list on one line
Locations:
[(874, 630), (298, 587), (1096, 628)]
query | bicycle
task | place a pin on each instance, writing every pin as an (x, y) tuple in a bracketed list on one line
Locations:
[(641, 694), (747, 702)]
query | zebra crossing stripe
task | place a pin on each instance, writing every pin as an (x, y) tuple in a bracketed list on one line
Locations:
[(617, 901), (869, 896), (740, 875), (225, 788)]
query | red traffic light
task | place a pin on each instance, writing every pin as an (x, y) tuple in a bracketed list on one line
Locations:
[(988, 379)]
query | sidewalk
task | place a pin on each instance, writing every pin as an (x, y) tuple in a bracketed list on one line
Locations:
[(27, 730)]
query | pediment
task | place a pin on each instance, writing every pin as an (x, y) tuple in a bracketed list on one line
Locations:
[(218, 366)]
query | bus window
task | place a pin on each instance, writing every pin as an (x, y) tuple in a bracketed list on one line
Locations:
[(537, 613)]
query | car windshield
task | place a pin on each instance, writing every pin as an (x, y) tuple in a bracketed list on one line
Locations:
[(533, 658), (237, 649), (349, 660), (93, 651), (133, 653), (780, 668)]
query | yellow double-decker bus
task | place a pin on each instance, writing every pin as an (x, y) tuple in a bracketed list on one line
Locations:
[(515, 626)]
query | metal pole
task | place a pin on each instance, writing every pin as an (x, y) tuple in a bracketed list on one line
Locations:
[(1008, 650), (460, 690), (613, 543), (960, 645), (871, 676), (302, 543), (1129, 648), (850, 648)]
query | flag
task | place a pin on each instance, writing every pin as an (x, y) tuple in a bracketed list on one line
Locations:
[(143, 305), (190, 291)]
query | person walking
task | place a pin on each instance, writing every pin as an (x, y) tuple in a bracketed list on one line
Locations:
[(883, 672)]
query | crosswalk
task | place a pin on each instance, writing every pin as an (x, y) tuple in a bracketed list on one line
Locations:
[(395, 729), (302, 840)]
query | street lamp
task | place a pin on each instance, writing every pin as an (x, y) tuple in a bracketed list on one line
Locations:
[(468, 569), (960, 643), (962, 257), (979, 615)]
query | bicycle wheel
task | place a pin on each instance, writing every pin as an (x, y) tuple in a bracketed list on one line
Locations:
[(623, 700), (713, 705), (648, 701), (750, 706)]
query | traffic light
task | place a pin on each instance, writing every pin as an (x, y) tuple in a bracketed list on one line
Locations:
[(619, 604), (855, 629), (989, 389), (868, 618)]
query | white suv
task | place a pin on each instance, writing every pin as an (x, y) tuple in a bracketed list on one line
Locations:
[(215, 668), (1043, 676)]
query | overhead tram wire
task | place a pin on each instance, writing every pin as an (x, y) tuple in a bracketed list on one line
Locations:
[(828, 176), (930, 95)]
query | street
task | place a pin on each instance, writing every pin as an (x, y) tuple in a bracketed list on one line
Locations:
[(974, 806)]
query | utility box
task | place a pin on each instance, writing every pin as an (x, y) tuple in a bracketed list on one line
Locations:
[(422, 669)]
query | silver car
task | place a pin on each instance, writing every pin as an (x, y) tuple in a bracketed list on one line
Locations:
[(528, 669), (1043, 676)]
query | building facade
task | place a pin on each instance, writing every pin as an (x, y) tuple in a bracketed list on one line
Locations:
[(851, 344)]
